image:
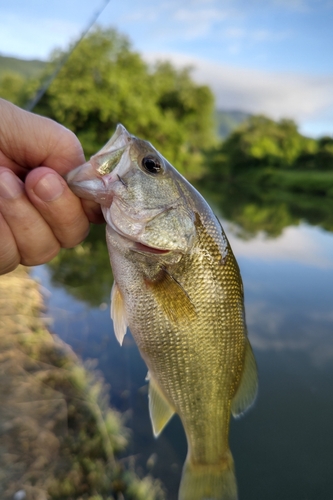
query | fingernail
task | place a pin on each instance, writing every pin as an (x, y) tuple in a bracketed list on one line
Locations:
[(49, 188), (10, 186)]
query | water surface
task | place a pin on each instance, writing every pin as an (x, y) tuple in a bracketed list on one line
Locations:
[(283, 446)]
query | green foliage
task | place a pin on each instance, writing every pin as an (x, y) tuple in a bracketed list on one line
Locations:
[(105, 82), (261, 142), (317, 159), (19, 79), (266, 175), (14, 88), (271, 219)]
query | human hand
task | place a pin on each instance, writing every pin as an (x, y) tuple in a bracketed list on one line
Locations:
[(41, 214)]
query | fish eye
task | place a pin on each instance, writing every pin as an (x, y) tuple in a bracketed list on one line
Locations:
[(151, 164)]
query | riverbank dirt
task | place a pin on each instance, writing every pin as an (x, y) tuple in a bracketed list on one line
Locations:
[(59, 439)]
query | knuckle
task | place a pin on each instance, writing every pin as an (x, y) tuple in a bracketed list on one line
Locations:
[(73, 233), (72, 243), (40, 256), (9, 265), (9, 255)]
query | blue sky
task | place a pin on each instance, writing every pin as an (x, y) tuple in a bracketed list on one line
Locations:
[(261, 56)]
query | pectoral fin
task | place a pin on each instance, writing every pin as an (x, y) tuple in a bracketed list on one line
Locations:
[(159, 408), (248, 387), (173, 299), (118, 313)]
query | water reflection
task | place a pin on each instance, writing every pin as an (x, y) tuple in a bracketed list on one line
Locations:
[(302, 244), (282, 449), (289, 280), (267, 198), (89, 330)]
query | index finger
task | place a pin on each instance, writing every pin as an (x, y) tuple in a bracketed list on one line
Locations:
[(28, 140)]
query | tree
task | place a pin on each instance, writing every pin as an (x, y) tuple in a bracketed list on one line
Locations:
[(261, 142), (13, 88), (105, 82), (268, 176)]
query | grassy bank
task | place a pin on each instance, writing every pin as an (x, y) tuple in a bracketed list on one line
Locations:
[(312, 183), (59, 439)]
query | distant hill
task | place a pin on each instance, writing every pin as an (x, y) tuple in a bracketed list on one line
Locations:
[(26, 68), (227, 121)]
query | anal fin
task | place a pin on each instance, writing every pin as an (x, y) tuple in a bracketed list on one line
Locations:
[(248, 386), (118, 313), (159, 408)]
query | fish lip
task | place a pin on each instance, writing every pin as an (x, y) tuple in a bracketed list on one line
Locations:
[(143, 248), (96, 187), (140, 247)]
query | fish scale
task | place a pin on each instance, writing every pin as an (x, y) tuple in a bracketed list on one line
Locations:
[(182, 363), (178, 287)]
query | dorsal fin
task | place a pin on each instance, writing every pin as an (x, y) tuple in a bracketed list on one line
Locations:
[(160, 409), (248, 386), (118, 313)]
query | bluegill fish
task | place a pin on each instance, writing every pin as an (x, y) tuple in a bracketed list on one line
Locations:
[(179, 290)]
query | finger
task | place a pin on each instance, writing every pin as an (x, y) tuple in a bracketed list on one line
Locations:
[(9, 254), (18, 170), (93, 211), (34, 238), (59, 207), (30, 140)]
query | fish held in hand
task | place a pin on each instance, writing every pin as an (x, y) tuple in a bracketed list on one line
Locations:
[(179, 290)]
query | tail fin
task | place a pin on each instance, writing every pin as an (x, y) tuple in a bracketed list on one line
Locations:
[(209, 482)]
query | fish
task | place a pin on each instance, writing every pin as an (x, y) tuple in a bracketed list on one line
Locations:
[(177, 287)]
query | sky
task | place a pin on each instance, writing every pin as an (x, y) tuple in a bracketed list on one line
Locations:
[(258, 56)]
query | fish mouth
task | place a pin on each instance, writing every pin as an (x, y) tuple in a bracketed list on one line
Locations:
[(140, 247), (135, 245), (133, 239)]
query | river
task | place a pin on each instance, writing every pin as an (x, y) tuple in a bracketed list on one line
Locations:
[(283, 446)]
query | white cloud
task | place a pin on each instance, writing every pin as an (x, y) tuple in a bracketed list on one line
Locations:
[(274, 329), (273, 332), (303, 244), (298, 96)]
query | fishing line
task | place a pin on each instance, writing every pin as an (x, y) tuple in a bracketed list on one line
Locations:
[(41, 91)]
